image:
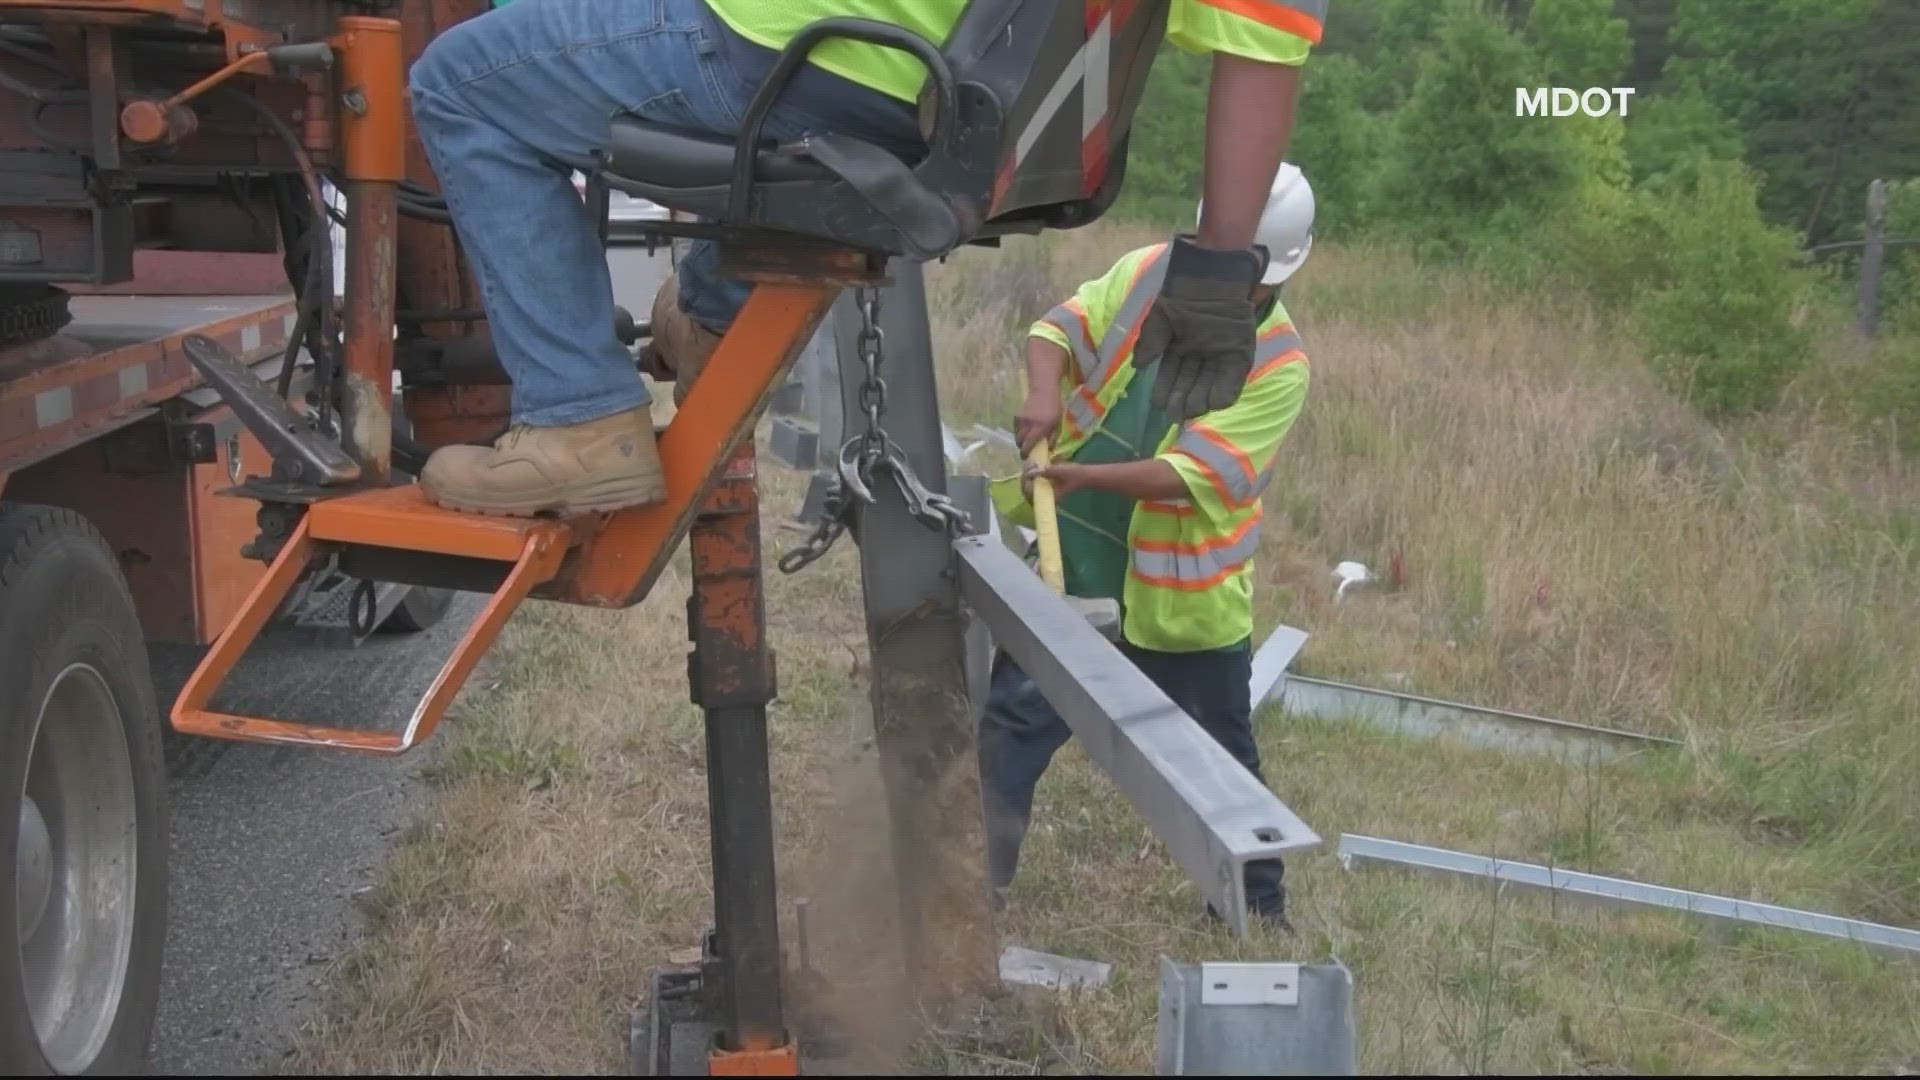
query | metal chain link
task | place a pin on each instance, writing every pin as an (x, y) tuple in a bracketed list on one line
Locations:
[(868, 455)]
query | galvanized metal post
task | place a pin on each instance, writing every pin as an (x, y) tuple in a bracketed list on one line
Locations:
[(1254, 1019), (916, 630), (1873, 257)]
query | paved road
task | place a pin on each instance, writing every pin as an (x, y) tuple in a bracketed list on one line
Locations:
[(270, 845)]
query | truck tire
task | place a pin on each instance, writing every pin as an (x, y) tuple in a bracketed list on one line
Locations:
[(83, 817)]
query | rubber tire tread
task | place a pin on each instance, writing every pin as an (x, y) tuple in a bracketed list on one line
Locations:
[(63, 599)]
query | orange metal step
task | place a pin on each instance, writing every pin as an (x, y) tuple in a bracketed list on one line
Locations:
[(535, 547), (617, 556)]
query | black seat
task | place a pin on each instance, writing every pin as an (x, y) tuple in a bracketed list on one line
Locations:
[(830, 187), (981, 177), (677, 160)]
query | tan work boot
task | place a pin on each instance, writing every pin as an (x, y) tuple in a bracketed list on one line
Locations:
[(680, 346), (601, 465)]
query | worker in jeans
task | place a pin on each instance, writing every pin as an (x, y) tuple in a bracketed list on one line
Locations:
[(510, 103), (1161, 515)]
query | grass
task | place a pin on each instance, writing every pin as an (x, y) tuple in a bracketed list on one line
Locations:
[(1554, 534)]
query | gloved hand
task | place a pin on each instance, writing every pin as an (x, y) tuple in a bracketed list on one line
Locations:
[(1201, 329)]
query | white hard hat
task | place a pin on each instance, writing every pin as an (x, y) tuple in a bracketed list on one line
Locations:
[(1286, 226)]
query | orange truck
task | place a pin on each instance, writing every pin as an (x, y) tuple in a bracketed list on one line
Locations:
[(201, 434), (134, 216)]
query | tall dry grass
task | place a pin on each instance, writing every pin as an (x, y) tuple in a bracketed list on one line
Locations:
[(1554, 534)]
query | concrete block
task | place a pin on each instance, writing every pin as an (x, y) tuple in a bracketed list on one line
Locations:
[(795, 441), (1028, 967)]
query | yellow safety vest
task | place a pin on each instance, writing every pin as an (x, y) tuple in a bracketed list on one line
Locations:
[(1189, 583), (1276, 31)]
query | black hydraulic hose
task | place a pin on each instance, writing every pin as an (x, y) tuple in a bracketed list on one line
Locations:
[(437, 215)]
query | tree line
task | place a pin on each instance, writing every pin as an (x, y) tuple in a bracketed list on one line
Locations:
[(1755, 128)]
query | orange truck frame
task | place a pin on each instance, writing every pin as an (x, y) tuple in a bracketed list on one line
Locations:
[(197, 436)]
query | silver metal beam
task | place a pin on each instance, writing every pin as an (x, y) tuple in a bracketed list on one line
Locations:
[(1271, 660), (923, 724), (1409, 714), (1360, 850), (1213, 815)]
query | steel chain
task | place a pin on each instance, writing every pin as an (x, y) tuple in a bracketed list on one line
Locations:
[(867, 455)]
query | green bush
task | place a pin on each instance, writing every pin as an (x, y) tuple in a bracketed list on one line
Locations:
[(1581, 41), (1671, 134), (1460, 167), (1337, 143), (1717, 312)]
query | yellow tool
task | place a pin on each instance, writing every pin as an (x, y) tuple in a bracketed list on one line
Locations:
[(1046, 522)]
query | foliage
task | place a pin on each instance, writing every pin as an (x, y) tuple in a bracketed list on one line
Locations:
[(1582, 42), (1718, 313), (1755, 127), (1672, 134), (1462, 164), (1823, 92), (1165, 149), (1338, 144)]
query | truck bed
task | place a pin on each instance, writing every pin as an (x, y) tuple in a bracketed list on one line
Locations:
[(118, 360)]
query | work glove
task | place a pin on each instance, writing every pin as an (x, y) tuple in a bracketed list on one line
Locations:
[(1201, 329)]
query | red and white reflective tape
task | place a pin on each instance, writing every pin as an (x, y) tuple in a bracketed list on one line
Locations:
[(1089, 71)]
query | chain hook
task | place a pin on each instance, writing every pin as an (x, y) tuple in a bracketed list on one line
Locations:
[(869, 453)]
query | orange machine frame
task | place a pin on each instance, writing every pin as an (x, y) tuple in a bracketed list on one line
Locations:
[(599, 560)]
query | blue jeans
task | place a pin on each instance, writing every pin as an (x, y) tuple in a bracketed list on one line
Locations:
[(1019, 732), (509, 104)]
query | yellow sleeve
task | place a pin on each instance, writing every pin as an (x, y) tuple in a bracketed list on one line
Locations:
[(1226, 456), (1274, 31), (1078, 323)]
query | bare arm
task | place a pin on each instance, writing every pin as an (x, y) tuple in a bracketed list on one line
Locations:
[(1147, 479), (1039, 417), (1249, 122)]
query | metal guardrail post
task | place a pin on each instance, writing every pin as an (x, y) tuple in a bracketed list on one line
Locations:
[(1254, 1019), (1212, 814), (1873, 257), (922, 723)]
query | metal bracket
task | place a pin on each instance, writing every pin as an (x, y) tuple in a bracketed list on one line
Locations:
[(1249, 984), (1233, 1020), (292, 439)]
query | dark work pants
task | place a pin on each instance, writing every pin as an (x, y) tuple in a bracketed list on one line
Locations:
[(1020, 731)]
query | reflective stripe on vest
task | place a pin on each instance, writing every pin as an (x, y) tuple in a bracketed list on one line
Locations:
[(1233, 474), (1071, 321), (1303, 18), (1089, 401), (1193, 567)]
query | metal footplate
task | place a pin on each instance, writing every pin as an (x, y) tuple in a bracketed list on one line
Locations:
[(533, 548)]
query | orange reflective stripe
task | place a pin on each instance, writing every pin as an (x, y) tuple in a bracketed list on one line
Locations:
[(1211, 543), (1071, 320), (1277, 363), (1300, 19), (1116, 344), (1226, 465), (1083, 411), (1159, 581), (1196, 570)]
